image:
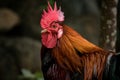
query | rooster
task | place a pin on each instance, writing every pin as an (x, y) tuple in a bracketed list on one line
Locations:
[(66, 55)]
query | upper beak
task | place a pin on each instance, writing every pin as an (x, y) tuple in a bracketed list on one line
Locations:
[(44, 30)]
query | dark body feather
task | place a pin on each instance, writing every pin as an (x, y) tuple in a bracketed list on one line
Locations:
[(112, 69), (52, 71)]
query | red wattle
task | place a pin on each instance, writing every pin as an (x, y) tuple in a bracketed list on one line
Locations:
[(49, 40)]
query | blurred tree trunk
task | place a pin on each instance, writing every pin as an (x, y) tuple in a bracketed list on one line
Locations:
[(108, 24), (118, 28)]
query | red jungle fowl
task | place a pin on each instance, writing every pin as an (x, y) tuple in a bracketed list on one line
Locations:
[(66, 55)]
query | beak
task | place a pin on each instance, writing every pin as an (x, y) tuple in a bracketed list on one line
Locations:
[(44, 30)]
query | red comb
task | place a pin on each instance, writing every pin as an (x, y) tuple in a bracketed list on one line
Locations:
[(51, 15)]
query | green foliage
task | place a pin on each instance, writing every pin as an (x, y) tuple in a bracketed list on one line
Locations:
[(38, 75), (28, 75), (52, 2), (44, 6)]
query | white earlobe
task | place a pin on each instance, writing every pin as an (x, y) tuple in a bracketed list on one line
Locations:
[(60, 32)]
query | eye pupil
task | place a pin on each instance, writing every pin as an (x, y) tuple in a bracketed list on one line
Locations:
[(54, 26)]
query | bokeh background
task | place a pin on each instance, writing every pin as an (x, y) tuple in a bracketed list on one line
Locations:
[(20, 33)]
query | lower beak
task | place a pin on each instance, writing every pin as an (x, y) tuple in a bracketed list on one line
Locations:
[(44, 30)]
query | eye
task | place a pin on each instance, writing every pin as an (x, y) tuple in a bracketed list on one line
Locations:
[(53, 26)]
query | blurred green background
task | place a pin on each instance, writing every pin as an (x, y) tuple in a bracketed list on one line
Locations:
[(20, 33)]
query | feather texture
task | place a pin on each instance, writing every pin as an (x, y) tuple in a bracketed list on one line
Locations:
[(73, 53), (66, 55)]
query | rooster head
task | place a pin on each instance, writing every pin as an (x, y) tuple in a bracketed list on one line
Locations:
[(51, 29)]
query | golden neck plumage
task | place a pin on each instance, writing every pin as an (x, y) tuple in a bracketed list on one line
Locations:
[(91, 56), (78, 41)]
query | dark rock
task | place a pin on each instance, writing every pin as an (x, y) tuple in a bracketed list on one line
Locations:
[(8, 19), (16, 54), (9, 64)]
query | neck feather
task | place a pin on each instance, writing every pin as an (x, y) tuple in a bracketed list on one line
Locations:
[(90, 56), (78, 41)]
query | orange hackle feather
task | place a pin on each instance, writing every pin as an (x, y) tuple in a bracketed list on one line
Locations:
[(91, 60)]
